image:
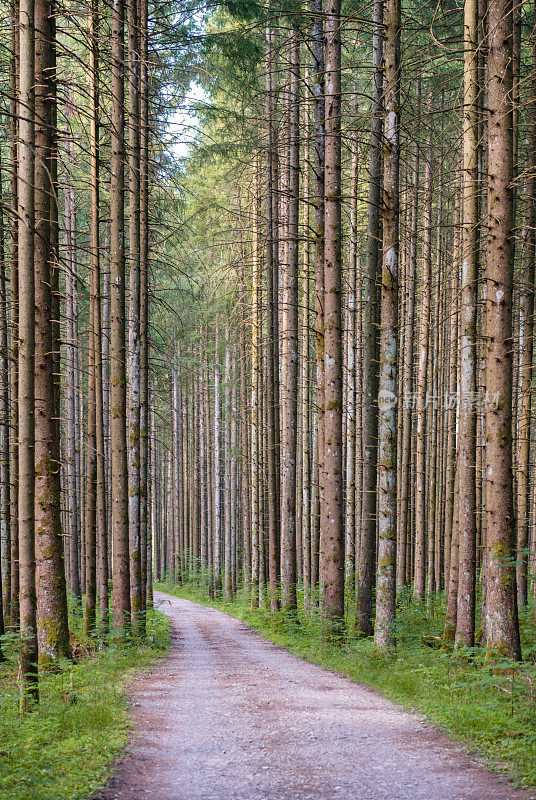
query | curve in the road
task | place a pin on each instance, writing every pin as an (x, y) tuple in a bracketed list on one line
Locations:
[(230, 716)]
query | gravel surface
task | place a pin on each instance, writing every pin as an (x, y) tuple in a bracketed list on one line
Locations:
[(230, 716)]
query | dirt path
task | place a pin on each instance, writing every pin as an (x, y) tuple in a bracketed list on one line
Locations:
[(229, 716)]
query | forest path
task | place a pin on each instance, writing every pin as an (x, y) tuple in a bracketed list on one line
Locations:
[(230, 716)]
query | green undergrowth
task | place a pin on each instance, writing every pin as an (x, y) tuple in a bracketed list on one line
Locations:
[(64, 750), (491, 710)]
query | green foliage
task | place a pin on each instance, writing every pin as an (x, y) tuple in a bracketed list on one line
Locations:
[(65, 748), (489, 706)]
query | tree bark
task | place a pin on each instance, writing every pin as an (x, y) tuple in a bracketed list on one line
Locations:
[(5, 544), (331, 499), (217, 476), (289, 363), (53, 629), (352, 309), (369, 409), (120, 526), (387, 438), (502, 627), (145, 539), (465, 618), (256, 418), (317, 47), (71, 399), (5, 531), (404, 532), (14, 292), (422, 373), (134, 352), (272, 363), (227, 478), (26, 328)]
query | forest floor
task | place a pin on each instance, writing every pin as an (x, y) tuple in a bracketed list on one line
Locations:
[(229, 715), (64, 749)]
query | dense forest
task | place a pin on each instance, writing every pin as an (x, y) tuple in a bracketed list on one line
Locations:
[(266, 318), (350, 393)]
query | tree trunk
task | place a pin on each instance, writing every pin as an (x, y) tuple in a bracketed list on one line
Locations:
[(422, 373), (289, 363), (465, 618), (367, 545), (217, 476), (145, 539), (351, 366), (452, 411), (453, 574), (134, 353), (404, 532), (71, 399), (227, 479), (120, 526), (331, 499), (387, 438), (14, 291), (5, 544), (317, 48), (96, 478), (272, 366), (5, 531), (26, 327), (53, 629), (245, 453), (106, 393), (502, 624), (256, 418)]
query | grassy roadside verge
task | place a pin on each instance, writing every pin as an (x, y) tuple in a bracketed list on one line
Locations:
[(65, 749), (492, 714)]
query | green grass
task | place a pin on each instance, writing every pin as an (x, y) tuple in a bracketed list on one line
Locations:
[(65, 749), (491, 711)]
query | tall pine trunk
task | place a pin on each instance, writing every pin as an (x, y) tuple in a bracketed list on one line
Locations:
[(502, 628), (118, 427), (53, 629), (369, 408), (422, 375), (404, 532), (26, 330), (14, 70), (387, 435), (145, 539), (272, 362), (134, 352), (317, 48), (331, 501), (465, 618), (289, 363), (5, 531)]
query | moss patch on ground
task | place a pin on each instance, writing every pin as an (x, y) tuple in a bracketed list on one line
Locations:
[(492, 711), (65, 749)]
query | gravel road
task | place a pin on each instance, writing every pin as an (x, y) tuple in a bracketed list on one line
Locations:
[(230, 716)]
